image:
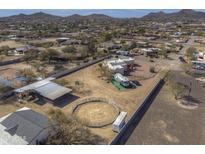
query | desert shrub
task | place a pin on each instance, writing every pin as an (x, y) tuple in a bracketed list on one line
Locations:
[(105, 72), (69, 49), (4, 49), (190, 53), (43, 44), (62, 82), (69, 131), (178, 89), (152, 69), (28, 73), (186, 67)]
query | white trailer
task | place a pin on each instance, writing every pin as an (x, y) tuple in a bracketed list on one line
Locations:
[(124, 81), (119, 122)]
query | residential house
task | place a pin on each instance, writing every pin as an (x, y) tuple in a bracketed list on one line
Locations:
[(20, 50), (24, 127)]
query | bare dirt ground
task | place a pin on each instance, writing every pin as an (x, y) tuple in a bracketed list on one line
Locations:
[(201, 48), (127, 100), (11, 44), (93, 86), (168, 123), (44, 40), (13, 105), (96, 112), (92, 81), (7, 58), (10, 71), (142, 69)]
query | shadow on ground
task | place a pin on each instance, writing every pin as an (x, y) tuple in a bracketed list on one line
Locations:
[(138, 116), (65, 100)]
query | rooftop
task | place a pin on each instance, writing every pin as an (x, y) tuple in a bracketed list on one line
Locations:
[(22, 126), (46, 88)]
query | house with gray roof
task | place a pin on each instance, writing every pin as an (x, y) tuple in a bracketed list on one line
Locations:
[(24, 127)]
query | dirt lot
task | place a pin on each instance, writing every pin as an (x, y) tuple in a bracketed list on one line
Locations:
[(9, 71), (96, 112), (12, 106), (168, 123), (142, 68), (11, 44), (43, 40), (93, 86), (7, 58)]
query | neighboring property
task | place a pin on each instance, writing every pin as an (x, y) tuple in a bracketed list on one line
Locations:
[(46, 89), (200, 56), (20, 50), (24, 127), (199, 63), (62, 39), (150, 52), (120, 65), (123, 52)]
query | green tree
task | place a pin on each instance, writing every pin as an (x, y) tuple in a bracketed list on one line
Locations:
[(190, 53), (163, 53), (177, 88), (106, 36), (51, 54), (105, 72), (92, 46), (69, 49), (28, 73)]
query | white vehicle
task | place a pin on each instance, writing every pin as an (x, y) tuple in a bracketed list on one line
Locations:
[(119, 122), (124, 81)]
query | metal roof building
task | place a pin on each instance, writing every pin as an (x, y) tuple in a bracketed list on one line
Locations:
[(52, 90), (47, 89)]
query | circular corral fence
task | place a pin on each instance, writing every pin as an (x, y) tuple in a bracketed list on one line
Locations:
[(96, 112)]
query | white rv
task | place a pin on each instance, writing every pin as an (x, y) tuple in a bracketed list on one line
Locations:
[(124, 81), (119, 122)]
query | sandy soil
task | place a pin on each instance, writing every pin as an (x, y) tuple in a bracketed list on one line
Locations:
[(142, 69), (127, 100), (92, 81), (6, 58), (168, 123), (11, 44), (96, 112), (43, 40), (10, 71), (13, 106)]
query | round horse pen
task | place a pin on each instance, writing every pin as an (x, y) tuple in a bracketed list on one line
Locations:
[(96, 112)]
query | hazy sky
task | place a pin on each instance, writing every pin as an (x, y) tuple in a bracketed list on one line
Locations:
[(111, 12)]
